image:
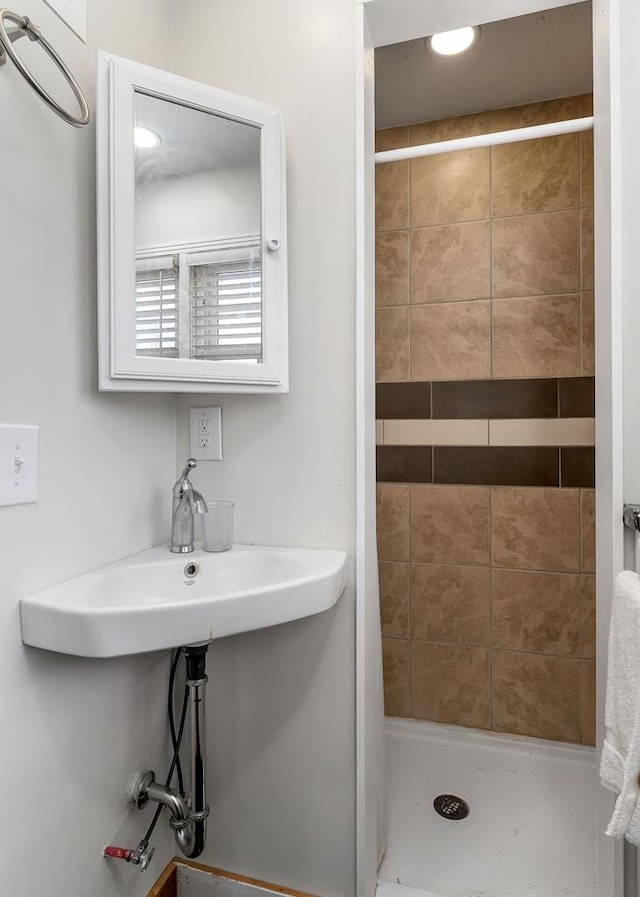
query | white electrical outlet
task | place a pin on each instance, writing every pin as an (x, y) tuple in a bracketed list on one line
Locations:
[(206, 433), (18, 464)]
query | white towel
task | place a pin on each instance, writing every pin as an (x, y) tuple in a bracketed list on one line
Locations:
[(620, 763)]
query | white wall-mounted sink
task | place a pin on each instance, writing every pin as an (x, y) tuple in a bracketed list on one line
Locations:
[(154, 600)]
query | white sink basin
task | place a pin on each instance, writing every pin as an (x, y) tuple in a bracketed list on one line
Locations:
[(152, 600)]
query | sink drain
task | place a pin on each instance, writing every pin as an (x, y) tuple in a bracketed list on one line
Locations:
[(451, 807)]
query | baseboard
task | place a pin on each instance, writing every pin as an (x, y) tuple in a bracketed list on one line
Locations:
[(167, 884)]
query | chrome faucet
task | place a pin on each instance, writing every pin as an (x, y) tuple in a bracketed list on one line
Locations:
[(187, 501)]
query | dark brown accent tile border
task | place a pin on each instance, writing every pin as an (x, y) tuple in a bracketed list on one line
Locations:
[(482, 465), (496, 465), (404, 464), (523, 465), (576, 397), (578, 466), (493, 399), (403, 401), (496, 399)]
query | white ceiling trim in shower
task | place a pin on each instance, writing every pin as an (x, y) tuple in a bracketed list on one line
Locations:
[(392, 21)]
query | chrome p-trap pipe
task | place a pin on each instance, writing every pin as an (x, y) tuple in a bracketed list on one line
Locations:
[(188, 819), (196, 683)]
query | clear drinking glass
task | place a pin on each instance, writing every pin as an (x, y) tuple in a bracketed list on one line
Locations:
[(217, 526)]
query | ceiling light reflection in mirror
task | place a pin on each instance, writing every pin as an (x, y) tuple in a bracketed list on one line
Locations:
[(145, 138)]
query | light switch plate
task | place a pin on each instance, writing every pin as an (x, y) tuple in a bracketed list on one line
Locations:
[(205, 429), (18, 464)]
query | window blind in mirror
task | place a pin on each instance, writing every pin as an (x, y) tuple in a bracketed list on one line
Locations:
[(157, 308), (226, 310)]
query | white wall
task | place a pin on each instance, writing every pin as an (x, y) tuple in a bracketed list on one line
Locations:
[(205, 206), (371, 786), (630, 202), (626, 28), (281, 705), (72, 729)]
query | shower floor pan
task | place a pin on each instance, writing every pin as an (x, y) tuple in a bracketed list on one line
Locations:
[(530, 829)]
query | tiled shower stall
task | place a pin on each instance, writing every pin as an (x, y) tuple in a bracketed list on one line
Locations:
[(485, 407)]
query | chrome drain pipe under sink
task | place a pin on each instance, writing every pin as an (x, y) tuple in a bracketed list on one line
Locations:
[(188, 818)]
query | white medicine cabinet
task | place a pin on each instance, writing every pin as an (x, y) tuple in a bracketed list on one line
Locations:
[(192, 264)]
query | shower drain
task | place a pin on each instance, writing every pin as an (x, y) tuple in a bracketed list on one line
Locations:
[(451, 807)]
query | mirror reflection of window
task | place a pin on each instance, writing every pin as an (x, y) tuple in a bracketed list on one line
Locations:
[(157, 307), (226, 307), (204, 304), (198, 234)]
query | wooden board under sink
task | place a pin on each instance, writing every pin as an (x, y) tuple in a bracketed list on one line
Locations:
[(183, 878)]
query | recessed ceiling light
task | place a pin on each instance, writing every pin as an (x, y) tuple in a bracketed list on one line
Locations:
[(145, 138), (448, 43)]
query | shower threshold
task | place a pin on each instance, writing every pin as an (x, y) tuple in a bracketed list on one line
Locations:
[(530, 828)]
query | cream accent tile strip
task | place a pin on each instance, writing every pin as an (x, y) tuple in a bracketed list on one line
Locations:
[(552, 431), (436, 432), (549, 431)]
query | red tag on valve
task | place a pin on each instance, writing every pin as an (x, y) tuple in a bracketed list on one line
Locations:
[(117, 853)]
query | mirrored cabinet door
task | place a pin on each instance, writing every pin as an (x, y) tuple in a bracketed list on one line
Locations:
[(192, 250)]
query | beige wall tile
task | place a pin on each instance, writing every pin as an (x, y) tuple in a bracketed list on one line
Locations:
[(588, 334), (535, 529), (536, 254), (394, 598), (537, 336), (535, 175), (450, 128), (392, 268), (450, 524), (586, 168), (587, 530), (434, 277), (450, 187), (451, 262), (586, 240), (588, 616), (451, 604), (395, 665), (393, 522), (392, 138), (535, 113), (392, 344), (588, 700), (436, 432), (451, 684), (536, 695), (451, 341), (545, 431), (392, 196), (536, 612)]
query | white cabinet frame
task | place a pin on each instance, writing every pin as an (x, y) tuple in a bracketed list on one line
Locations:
[(120, 368)]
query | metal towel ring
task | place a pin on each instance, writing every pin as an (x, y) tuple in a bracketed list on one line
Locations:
[(25, 27)]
